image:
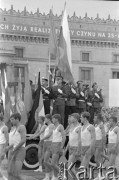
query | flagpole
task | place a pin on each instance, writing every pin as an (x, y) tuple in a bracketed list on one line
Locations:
[(35, 82), (49, 69), (49, 57)]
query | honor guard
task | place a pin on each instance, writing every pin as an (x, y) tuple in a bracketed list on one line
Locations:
[(81, 98), (94, 100), (70, 103), (47, 95), (59, 96), (32, 89)]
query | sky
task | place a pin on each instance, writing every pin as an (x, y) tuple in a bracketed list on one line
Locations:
[(104, 8)]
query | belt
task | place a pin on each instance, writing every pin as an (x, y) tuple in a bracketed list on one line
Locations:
[(82, 100), (71, 99), (60, 98), (45, 99)]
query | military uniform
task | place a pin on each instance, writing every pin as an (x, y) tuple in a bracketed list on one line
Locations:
[(81, 100), (59, 96), (47, 96), (70, 103), (94, 100)]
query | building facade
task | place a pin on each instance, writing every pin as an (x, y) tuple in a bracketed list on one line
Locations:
[(24, 39)]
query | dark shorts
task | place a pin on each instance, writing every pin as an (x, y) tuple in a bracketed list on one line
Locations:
[(73, 151), (18, 155), (84, 150), (47, 146), (56, 148), (40, 148), (110, 149)]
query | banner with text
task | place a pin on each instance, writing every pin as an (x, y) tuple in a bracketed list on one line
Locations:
[(75, 33)]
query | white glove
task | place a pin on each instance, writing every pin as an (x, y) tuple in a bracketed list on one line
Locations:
[(97, 95), (46, 91), (60, 91), (74, 92), (89, 104), (82, 94)]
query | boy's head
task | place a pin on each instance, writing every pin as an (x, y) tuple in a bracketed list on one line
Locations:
[(98, 118), (56, 118), (113, 121), (85, 116), (75, 117), (48, 118), (15, 118)]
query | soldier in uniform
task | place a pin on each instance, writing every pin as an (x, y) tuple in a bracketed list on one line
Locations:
[(70, 103), (32, 89), (47, 95), (94, 100), (81, 98), (59, 96)]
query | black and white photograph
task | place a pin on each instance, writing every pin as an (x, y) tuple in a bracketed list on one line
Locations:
[(59, 90)]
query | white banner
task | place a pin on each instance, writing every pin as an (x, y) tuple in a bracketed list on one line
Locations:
[(114, 93)]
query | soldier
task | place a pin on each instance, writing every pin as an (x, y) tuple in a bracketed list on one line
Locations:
[(47, 95), (70, 103), (59, 96), (32, 89), (94, 100), (81, 98)]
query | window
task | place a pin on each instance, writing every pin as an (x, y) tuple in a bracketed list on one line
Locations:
[(116, 57), (115, 74), (18, 70), (85, 56), (19, 52), (86, 75)]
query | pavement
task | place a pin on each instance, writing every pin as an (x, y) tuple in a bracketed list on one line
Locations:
[(27, 174), (31, 175)]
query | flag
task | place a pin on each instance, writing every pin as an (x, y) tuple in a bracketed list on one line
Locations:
[(52, 47), (28, 101), (37, 109), (7, 100), (2, 80), (40, 109), (64, 51), (52, 38), (20, 107), (5, 93), (2, 90)]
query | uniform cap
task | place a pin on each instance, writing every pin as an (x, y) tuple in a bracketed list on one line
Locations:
[(86, 85), (45, 79), (79, 82), (59, 77)]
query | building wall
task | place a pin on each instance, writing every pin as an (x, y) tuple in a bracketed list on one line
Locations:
[(97, 36)]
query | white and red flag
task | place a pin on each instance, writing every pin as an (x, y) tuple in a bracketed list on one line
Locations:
[(64, 51)]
